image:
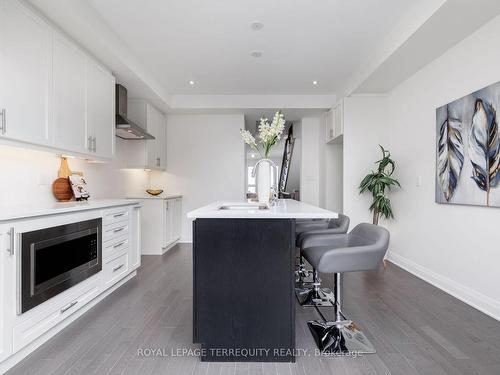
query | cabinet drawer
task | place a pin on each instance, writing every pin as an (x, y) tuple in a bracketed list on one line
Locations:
[(114, 246), (114, 231), (115, 216), (42, 320), (115, 269)]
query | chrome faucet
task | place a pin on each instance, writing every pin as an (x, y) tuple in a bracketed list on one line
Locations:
[(274, 189)]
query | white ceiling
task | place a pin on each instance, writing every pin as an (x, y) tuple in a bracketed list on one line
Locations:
[(210, 42)]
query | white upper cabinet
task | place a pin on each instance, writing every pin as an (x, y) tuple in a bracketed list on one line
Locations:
[(334, 123), (100, 110), (25, 75), (52, 93), (152, 126), (69, 97), (161, 144), (150, 154)]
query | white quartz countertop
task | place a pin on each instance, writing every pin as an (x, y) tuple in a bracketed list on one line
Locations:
[(161, 196), (285, 209), (24, 211)]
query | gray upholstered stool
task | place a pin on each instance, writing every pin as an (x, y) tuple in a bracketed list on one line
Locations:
[(361, 250), (304, 287), (339, 225)]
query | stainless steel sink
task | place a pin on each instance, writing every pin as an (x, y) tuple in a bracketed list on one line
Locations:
[(244, 206)]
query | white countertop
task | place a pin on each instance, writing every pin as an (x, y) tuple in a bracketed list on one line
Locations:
[(25, 211), (161, 196), (285, 209)]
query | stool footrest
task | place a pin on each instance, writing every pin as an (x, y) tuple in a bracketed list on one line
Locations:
[(308, 297)]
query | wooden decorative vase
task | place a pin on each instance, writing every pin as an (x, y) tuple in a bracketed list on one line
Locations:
[(61, 188)]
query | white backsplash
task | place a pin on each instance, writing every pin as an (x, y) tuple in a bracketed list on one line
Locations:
[(26, 176)]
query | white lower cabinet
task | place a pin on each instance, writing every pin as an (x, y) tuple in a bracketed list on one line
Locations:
[(160, 224), (173, 213), (7, 288), (134, 252), (46, 316), (115, 268), (120, 257)]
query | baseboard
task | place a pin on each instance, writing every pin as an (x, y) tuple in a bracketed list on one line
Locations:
[(165, 249), (17, 357), (476, 299), (185, 241)]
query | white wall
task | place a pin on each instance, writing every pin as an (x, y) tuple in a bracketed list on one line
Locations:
[(26, 176), (364, 116), (334, 162), (205, 161), (311, 160), (454, 247)]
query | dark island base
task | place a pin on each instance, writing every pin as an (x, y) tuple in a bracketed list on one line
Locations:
[(243, 301)]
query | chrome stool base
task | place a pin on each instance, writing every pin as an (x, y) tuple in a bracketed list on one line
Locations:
[(342, 337), (308, 297), (303, 281)]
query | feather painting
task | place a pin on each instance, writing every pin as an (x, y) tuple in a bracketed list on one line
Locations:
[(484, 147), (468, 149), (450, 155)]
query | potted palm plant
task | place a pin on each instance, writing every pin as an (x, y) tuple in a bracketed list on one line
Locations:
[(378, 183)]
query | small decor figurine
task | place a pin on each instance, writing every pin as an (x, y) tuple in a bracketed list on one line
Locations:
[(269, 136), (79, 186)]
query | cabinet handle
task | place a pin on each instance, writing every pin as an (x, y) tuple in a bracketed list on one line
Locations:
[(117, 268), (119, 215), (119, 244), (64, 309), (95, 144), (157, 162), (89, 141), (10, 250), (4, 123), (118, 230)]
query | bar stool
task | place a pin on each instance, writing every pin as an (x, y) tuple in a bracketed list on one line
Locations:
[(362, 249), (307, 290)]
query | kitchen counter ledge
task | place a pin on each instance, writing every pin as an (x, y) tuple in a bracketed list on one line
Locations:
[(9, 213), (284, 209)]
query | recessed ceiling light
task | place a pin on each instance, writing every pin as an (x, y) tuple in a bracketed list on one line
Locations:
[(256, 53), (191, 83), (256, 26), (315, 83)]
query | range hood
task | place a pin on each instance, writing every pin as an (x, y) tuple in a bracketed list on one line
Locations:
[(125, 128)]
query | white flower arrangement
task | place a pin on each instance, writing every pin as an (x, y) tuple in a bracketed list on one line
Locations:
[(269, 134)]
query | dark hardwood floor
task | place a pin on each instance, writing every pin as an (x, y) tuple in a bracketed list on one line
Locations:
[(416, 329)]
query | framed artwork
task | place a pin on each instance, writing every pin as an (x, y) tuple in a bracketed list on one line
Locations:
[(468, 149), (79, 186)]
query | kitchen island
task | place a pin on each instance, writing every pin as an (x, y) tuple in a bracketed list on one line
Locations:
[(243, 279)]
